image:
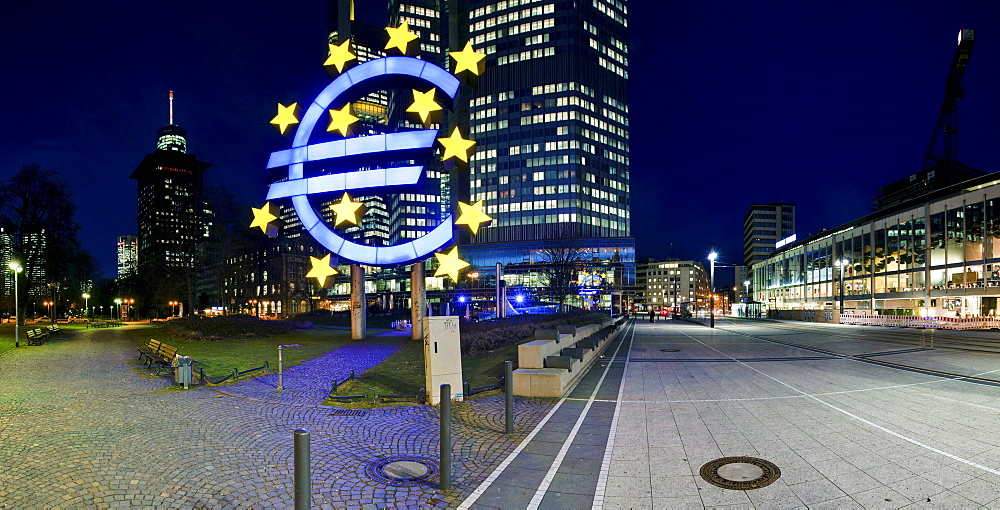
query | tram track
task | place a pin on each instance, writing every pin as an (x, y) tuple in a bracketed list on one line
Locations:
[(861, 358)]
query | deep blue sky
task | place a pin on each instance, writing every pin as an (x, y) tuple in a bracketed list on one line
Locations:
[(818, 103)]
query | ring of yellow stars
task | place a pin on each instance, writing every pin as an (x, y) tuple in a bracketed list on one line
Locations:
[(424, 104), (468, 60), (400, 37), (472, 215), (450, 264), (348, 210), (457, 147), (321, 269), (340, 56), (262, 217), (287, 115), (341, 120)]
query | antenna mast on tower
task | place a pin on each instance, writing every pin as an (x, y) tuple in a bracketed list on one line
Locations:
[(171, 108)]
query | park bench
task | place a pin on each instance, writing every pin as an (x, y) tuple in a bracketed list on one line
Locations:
[(149, 350), (37, 336), (54, 329), (157, 353)]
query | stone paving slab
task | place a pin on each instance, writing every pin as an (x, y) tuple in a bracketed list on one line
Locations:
[(86, 426)]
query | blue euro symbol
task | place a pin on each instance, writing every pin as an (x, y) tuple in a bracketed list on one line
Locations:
[(373, 75)]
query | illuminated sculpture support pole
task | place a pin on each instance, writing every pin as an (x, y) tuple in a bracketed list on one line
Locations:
[(418, 300), (358, 308)]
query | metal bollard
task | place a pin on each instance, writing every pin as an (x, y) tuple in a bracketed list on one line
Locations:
[(466, 389), (445, 455), (281, 381), (508, 388), (303, 479)]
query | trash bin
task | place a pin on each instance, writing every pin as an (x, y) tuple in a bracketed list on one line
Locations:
[(182, 372)]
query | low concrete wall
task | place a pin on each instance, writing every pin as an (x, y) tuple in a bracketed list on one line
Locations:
[(534, 379)]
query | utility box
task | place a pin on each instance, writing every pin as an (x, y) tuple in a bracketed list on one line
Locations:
[(442, 357)]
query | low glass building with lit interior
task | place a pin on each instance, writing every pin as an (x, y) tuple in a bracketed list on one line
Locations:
[(937, 255)]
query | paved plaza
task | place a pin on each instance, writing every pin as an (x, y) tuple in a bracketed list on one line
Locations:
[(850, 421)]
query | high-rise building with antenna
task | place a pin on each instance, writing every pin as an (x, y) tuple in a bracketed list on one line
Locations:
[(170, 210)]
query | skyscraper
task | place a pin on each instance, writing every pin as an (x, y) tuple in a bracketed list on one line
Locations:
[(170, 209), (128, 256), (764, 226), (550, 119)]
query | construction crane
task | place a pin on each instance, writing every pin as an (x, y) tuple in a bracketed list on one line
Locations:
[(947, 123)]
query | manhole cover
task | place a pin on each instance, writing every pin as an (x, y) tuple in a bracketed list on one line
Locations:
[(402, 470), (348, 412), (670, 350), (740, 473)]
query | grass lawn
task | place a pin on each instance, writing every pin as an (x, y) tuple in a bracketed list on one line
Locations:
[(403, 373), (220, 357), (7, 333)]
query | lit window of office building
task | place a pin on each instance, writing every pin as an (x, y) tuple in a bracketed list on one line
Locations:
[(676, 285), (765, 227), (170, 206), (128, 256), (936, 255)]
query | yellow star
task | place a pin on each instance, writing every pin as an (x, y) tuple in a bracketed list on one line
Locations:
[(468, 60), (472, 215), (450, 264), (341, 120), (457, 147), (400, 38), (321, 269), (263, 217), (340, 56), (424, 104), (348, 211), (287, 115)]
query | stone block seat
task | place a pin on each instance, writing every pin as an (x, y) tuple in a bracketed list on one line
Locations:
[(556, 358)]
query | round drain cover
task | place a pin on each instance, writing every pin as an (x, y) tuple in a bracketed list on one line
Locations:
[(402, 470), (740, 473)]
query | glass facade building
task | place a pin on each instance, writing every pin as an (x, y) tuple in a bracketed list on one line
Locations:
[(937, 255)]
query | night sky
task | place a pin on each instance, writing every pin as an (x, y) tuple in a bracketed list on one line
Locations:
[(817, 103)]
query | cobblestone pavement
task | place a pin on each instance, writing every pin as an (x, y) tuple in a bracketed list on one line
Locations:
[(84, 425), (309, 383)]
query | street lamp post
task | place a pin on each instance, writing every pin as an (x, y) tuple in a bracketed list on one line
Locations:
[(16, 268), (711, 291), (841, 263), (119, 303), (746, 292), (86, 302)]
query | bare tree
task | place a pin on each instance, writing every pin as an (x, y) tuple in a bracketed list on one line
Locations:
[(36, 213), (560, 259)]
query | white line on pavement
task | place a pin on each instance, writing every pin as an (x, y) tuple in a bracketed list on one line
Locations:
[(557, 463), (602, 478), (856, 417), (476, 494)]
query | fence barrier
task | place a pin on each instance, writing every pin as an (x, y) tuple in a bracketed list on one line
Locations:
[(900, 321)]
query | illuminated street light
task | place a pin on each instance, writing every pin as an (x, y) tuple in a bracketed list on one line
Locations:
[(16, 268), (842, 263), (86, 302), (119, 303), (711, 293)]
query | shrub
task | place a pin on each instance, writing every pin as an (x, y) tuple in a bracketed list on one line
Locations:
[(231, 327), (490, 335)]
